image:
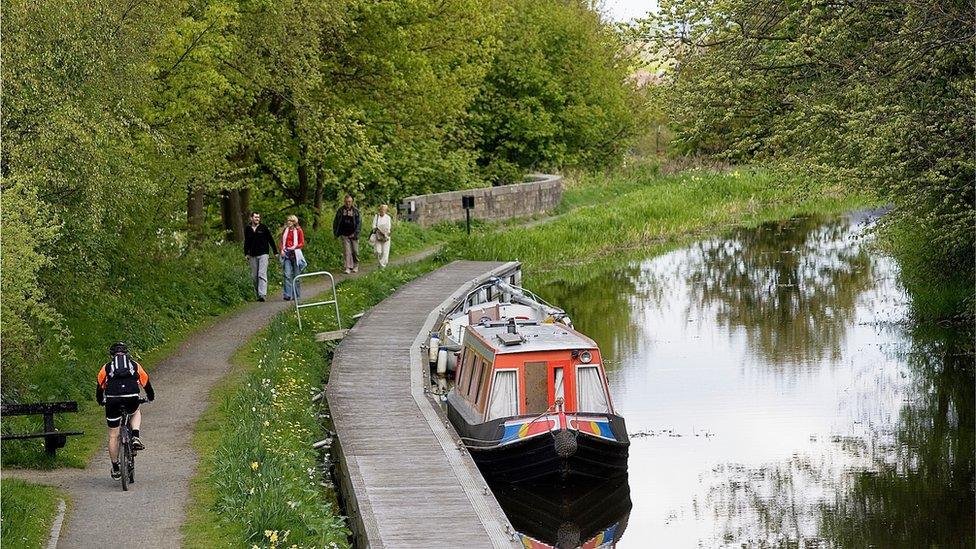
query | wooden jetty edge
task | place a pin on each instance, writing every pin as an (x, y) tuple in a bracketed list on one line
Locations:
[(404, 479)]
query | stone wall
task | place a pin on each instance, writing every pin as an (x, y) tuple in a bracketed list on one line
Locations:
[(540, 194)]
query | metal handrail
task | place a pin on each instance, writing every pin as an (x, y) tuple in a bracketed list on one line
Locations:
[(335, 298), (464, 307)]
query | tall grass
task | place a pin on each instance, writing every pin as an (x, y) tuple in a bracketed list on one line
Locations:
[(259, 482), (653, 211)]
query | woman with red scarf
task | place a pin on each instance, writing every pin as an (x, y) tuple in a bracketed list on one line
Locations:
[(292, 259)]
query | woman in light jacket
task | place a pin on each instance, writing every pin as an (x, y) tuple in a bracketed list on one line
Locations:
[(292, 242), (380, 238)]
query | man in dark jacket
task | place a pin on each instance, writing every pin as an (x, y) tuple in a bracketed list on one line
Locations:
[(346, 226), (257, 238)]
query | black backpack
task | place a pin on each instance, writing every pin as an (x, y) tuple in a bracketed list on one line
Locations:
[(122, 375)]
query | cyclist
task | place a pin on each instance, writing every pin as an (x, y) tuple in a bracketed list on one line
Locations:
[(118, 389)]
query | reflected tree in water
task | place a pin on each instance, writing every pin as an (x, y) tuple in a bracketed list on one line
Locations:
[(908, 485), (602, 301), (791, 287), (920, 493), (774, 506)]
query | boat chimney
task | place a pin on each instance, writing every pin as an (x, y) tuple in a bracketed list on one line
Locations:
[(512, 326)]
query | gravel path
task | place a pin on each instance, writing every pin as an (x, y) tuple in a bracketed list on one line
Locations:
[(151, 513)]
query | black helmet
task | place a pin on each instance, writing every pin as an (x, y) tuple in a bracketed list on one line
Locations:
[(118, 347)]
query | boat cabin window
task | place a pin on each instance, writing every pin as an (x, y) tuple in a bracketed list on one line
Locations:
[(478, 297), (591, 396), (559, 391), (504, 395)]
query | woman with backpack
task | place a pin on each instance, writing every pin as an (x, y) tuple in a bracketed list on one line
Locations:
[(292, 257), (380, 237)]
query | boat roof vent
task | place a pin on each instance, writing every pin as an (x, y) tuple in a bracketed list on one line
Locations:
[(509, 339), (512, 326)]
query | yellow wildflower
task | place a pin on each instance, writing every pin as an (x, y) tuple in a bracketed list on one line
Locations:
[(254, 467)]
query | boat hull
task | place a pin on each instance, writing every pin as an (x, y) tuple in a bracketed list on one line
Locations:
[(560, 455), (539, 460)]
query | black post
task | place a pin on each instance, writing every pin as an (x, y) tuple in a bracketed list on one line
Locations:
[(467, 202), (50, 441)]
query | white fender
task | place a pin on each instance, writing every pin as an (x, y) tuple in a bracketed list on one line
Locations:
[(442, 362), (432, 346)]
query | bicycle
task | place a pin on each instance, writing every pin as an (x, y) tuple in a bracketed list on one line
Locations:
[(127, 455)]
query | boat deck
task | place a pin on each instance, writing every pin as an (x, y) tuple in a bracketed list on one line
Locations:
[(403, 478)]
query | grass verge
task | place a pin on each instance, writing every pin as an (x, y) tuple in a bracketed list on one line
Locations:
[(940, 293), (28, 512), (259, 480), (652, 214)]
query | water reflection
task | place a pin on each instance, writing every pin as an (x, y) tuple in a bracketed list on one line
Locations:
[(786, 398), (600, 316), (919, 491), (584, 515), (791, 287)]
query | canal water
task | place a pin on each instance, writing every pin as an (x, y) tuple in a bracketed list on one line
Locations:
[(776, 394)]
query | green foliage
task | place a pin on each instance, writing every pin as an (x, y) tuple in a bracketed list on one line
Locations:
[(136, 133), (872, 94), (28, 511), (27, 318), (555, 95)]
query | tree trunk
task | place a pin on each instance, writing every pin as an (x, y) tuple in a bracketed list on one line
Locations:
[(194, 212), (317, 204), (302, 181), (225, 211), (237, 216), (303, 175), (246, 204)]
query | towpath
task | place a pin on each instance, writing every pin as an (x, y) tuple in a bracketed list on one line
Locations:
[(401, 470), (152, 513)]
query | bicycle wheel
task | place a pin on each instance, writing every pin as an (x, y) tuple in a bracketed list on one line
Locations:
[(124, 460), (132, 464)]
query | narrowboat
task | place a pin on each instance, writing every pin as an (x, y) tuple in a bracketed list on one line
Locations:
[(532, 405)]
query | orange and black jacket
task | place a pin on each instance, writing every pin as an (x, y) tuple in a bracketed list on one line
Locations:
[(127, 387)]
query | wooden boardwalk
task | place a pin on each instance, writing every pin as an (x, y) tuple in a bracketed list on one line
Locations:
[(404, 479)]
